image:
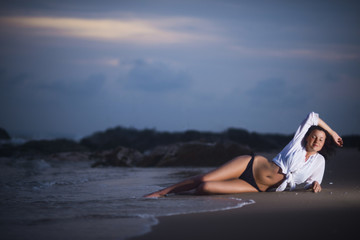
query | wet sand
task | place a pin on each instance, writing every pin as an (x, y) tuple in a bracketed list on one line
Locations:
[(287, 215)]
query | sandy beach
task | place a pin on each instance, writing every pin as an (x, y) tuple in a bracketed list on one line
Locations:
[(287, 215)]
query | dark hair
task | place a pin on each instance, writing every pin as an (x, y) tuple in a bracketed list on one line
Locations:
[(329, 146)]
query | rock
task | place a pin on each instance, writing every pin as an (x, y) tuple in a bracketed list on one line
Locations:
[(120, 157), (4, 135), (160, 153), (194, 154)]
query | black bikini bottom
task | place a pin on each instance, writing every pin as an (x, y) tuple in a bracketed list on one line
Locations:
[(248, 175)]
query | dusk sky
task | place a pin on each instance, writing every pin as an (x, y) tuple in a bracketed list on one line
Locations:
[(70, 68)]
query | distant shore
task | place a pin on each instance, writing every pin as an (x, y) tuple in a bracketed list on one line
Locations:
[(128, 147)]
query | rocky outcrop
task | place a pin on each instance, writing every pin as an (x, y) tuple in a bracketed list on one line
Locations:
[(144, 140), (193, 154), (119, 157)]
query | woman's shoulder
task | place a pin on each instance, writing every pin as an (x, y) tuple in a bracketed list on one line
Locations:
[(319, 159), (320, 156)]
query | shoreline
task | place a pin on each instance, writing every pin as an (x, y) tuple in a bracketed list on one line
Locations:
[(280, 215), (297, 215)]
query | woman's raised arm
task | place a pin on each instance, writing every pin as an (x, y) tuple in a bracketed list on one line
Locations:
[(337, 139)]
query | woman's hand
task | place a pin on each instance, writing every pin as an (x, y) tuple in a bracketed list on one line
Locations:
[(316, 187), (337, 139)]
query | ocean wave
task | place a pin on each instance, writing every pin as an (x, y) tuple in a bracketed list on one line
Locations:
[(73, 193), (35, 164), (239, 204)]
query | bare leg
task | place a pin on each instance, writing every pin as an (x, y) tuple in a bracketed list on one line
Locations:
[(183, 186), (230, 170), (225, 187)]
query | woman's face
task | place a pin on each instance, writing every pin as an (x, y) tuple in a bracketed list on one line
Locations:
[(315, 141)]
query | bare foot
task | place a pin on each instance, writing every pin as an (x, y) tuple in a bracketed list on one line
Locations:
[(154, 195)]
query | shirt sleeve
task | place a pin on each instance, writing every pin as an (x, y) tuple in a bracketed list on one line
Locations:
[(318, 172)]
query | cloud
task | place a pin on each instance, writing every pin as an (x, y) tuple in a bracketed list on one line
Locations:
[(331, 78), (75, 88), (11, 83), (276, 93), (108, 61), (132, 30), (24, 82), (329, 53), (156, 77)]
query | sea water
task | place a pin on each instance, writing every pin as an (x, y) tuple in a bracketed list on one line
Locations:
[(43, 199)]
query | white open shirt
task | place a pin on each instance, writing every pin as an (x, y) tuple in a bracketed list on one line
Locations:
[(292, 162)]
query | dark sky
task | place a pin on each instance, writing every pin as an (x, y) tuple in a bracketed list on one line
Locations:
[(69, 68)]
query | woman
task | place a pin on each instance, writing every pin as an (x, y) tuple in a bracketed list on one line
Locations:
[(301, 161)]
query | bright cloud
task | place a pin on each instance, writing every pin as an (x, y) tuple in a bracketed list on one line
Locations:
[(141, 31), (109, 61)]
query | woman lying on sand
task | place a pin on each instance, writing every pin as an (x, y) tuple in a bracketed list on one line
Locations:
[(301, 161)]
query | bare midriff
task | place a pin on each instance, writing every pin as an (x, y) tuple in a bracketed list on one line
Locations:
[(266, 173)]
